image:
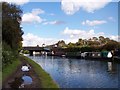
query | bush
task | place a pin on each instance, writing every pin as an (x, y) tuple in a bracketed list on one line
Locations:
[(87, 49), (8, 55), (25, 51)]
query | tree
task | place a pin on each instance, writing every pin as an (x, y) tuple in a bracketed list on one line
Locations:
[(80, 42), (107, 40), (61, 43), (71, 44), (102, 40), (118, 44), (43, 45), (11, 33), (111, 45), (95, 38), (93, 43), (11, 30)]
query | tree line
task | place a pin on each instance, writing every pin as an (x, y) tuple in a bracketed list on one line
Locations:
[(11, 32), (93, 44)]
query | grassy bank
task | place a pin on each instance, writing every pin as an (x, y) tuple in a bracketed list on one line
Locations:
[(46, 80), (9, 69)]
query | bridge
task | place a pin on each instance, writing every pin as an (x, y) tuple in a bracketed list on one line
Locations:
[(36, 49)]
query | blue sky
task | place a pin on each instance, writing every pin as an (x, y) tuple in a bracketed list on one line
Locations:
[(49, 22)]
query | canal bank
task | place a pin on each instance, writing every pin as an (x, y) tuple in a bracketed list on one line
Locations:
[(102, 56), (74, 73), (40, 79)]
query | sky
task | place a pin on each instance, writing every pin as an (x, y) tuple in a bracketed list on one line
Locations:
[(49, 22)]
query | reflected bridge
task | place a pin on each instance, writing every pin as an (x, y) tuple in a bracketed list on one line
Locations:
[(36, 49)]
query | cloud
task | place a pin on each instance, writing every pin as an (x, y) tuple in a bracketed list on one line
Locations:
[(51, 14), (76, 33), (34, 40), (18, 2), (33, 17), (94, 22), (111, 19), (72, 40), (37, 11), (54, 22), (72, 6), (113, 37)]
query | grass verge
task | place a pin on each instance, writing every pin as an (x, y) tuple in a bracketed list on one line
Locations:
[(46, 80), (9, 69)]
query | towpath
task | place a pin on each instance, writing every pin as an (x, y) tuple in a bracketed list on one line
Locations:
[(15, 80)]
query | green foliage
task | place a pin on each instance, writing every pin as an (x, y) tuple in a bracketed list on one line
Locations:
[(70, 45), (25, 52), (61, 43), (9, 69), (11, 30), (111, 45), (119, 45), (93, 44), (11, 33), (86, 49), (8, 55), (72, 49), (81, 42)]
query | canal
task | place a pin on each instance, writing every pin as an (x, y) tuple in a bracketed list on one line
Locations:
[(80, 73)]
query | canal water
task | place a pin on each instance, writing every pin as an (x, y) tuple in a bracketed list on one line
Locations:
[(80, 73)]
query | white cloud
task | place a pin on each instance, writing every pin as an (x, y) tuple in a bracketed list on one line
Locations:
[(34, 40), (18, 2), (37, 11), (30, 18), (76, 33), (72, 6), (111, 19), (117, 38), (33, 17), (94, 22), (72, 40), (51, 14), (54, 22)]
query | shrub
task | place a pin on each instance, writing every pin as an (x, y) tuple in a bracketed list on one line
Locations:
[(8, 55)]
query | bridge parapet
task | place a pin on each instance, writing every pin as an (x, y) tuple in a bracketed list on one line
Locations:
[(36, 49), (33, 48)]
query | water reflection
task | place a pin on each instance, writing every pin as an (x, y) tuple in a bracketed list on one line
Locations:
[(20, 82), (80, 73), (112, 68), (27, 80)]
